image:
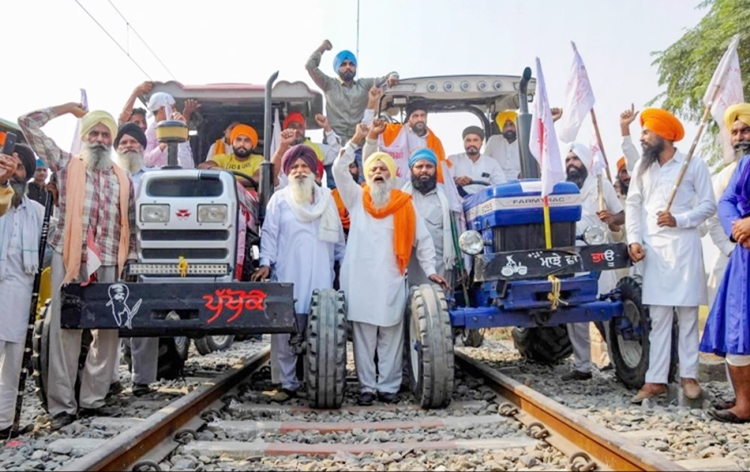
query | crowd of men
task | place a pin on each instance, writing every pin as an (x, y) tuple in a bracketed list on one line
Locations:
[(375, 198)]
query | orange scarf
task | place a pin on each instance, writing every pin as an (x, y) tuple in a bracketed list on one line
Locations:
[(343, 212), (75, 227), (404, 222), (219, 148), (433, 142)]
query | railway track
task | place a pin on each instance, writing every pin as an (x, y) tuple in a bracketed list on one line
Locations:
[(499, 424)]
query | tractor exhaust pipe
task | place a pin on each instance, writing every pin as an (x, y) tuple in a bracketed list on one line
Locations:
[(529, 166), (266, 168)]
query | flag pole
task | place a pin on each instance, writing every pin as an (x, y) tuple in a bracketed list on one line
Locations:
[(600, 192), (704, 120), (547, 225), (601, 144)]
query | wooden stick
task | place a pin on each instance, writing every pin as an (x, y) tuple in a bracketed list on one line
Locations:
[(601, 144), (600, 191)]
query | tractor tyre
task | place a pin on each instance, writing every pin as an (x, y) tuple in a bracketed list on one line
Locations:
[(170, 363), (208, 344), (325, 358), (544, 345), (472, 337), (429, 345), (631, 358)]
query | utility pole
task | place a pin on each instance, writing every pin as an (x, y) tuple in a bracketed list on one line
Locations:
[(357, 29)]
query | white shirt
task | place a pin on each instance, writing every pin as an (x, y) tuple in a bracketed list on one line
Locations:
[(485, 169), (672, 270), (506, 154), (295, 253), (15, 289), (153, 156), (375, 288)]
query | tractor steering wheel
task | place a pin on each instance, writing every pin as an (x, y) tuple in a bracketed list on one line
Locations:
[(480, 182), (245, 180)]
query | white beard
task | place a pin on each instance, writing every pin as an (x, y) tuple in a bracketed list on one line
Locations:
[(380, 192), (96, 158), (131, 161), (302, 190)]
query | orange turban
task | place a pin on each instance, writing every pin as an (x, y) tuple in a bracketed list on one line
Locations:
[(662, 123), (621, 163), (293, 117), (244, 130)]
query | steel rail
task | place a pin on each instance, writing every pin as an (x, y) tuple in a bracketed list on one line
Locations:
[(127, 447), (567, 430)]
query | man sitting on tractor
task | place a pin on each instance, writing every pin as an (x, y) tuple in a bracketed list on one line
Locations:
[(244, 139), (384, 229), (610, 217), (301, 239), (472, 166)]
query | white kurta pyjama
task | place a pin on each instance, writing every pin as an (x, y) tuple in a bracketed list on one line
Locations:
[(673, 274), (506, 154), (485, 169), (296, 254), (375, 288)]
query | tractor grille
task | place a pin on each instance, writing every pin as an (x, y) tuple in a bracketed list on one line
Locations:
[(185, 188), (184, 235), (213, 254), (528, 237)]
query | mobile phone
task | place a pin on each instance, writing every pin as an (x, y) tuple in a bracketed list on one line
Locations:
[(10, 143)]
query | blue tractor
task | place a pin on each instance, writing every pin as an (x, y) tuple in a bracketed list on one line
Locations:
[(514, 280)]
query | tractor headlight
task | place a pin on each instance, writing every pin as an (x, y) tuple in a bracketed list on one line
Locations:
[(471, 242), (212, 213), (154, 213), (594, 235)]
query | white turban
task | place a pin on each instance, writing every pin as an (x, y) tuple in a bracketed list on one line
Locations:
[(582, 151), (159, 100)]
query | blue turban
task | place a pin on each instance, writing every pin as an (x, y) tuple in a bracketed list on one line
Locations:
[(40, 164), (423, 153), (341, 57)]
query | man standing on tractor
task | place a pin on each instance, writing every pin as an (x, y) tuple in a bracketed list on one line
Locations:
[(667, 240), (135, 115), (432, 206), (399, 141), (20, 230), (129, 145), (156, 152), (97, 216), (244, 139), (301, 238), (472, 166), (384, 229), (610, 217)]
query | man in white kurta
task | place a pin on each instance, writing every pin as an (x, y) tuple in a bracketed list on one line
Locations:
[(472, 166), (301, 238), (503, 147), (580, 167), (383, 230), (432, 206), (669, 245), (20, 229)]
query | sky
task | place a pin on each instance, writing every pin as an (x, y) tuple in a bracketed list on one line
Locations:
[(245, 41)]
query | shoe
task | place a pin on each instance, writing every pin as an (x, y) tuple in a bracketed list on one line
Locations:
[(726, 416), (607, 367), (140, 390), (691, 388), (576, 375), (115, 388), (60, 420), (366, 399), (283, 395), (6, 433), (723, 405), (388, 397), (649, 391)]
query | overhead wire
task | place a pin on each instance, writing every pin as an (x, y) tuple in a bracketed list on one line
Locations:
[(130, 26), (113, 40)]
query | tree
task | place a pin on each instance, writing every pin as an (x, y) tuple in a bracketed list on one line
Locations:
[(686, 66)]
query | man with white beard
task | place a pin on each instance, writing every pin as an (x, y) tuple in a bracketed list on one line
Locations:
[(130, 144), (20, 230), (384, 228), (97, 211), (301, 239)]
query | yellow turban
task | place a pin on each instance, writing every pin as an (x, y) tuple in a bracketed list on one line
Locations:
[(740, 111), (507, 115), (385, 159), (95, 117), (662, 123)]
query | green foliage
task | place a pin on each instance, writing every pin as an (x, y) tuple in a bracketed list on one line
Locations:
[(686, 67)]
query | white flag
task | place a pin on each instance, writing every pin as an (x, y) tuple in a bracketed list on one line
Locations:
[(727, 78), (75, 148), (579, 99), (598, 166), (543, 141), (275, 140)]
